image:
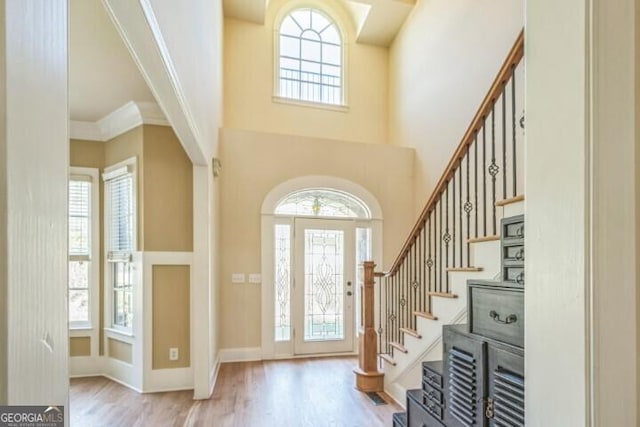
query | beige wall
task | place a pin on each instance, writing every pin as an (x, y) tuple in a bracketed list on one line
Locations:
[(171, 315), (249, 77), (120, 350), (255, 163), (441, 66), (79, 346), (165, 203), (168, 192)]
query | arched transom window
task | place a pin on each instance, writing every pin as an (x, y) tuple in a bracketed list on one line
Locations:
[(320, 202), (310, 67)]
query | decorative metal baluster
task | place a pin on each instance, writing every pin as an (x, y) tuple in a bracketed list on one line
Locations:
[(484, 173), (513, 129), (423, 269), (447, 239), (475, 173), (504, 141), (493, 168), (430, 259), (453, 223), (468, 207), (379, 299), (460, 212), (439, 264), (415, 283)]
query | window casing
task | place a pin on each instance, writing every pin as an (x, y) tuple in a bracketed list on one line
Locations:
[(120, 233), (83, 240), (310, 62)]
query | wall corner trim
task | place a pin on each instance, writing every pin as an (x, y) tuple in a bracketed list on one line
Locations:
[(123, 119)]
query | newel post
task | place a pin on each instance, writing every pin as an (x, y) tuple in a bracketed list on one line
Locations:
[(368, 378)]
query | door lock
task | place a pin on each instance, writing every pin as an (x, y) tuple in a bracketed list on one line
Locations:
[(349, 293), (349, 283)]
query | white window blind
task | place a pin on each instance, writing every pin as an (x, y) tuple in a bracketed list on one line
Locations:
[(80, 218), (121, 216), (80, 223)]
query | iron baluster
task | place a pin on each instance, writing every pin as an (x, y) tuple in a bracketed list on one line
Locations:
[(453, 223), (493, 168), (460, 213), (484, 173), (513, 129), (504, 141), (475, 173), (439, 264), (467, 208), (447, 238)]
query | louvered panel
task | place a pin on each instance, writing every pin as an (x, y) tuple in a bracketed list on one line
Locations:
[(508, 398), (462, 386)]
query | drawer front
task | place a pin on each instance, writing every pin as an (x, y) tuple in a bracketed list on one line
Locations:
[(432, 377), (418, 415), (497, 313), (514, 274), (432, 393), (514, 230), (433, 408), (513, 253)]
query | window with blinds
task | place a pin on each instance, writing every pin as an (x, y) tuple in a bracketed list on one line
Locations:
[(121, 215), (120, 221), (80, 228)]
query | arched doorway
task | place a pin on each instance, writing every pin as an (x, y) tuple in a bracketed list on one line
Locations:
[(316, 231)]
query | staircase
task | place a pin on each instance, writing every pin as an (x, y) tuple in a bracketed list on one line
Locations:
[(455, 238)]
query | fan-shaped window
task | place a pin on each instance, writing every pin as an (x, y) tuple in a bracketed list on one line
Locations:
[(310, 63), (323, 203)]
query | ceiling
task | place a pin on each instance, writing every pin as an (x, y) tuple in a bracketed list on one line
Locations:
[(377, 21), (102, 74)]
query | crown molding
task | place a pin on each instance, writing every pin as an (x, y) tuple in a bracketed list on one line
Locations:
[(122, 120)]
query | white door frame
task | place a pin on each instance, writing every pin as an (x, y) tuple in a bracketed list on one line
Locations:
[(271, 350)]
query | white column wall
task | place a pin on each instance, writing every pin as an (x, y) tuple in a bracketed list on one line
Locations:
[(556, 192), (33, 175)]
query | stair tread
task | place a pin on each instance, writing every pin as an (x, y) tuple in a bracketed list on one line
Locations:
[(388, 359), (464, 269), (491, 238), (411, 332), (510, 200), (443, 294), (425, 315), (398, 346)]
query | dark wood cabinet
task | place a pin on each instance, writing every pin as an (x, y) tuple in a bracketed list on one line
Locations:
[(484, 380)]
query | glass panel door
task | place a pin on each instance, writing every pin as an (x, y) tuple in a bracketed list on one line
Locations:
[(324, 286)]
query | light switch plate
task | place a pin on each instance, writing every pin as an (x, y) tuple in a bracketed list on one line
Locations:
[(238, 278), (173, 354), (255, 278)]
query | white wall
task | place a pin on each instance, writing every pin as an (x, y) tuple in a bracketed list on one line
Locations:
[(441, 66), (34, 143)]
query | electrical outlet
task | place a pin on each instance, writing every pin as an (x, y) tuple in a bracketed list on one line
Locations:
[(173, 354)]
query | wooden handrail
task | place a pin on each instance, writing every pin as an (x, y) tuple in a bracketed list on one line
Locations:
[(512, 61)]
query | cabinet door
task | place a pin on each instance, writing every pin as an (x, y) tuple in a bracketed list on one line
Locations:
[(464, 379), (506, 387)]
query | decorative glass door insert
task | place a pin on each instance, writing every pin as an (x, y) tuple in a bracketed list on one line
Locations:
[(324, 286)]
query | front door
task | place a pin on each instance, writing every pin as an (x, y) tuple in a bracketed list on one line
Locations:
[(324, 286)]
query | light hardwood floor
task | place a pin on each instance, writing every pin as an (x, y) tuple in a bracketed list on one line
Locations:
[(292, 393)]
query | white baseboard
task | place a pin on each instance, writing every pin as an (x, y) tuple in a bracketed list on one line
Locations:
[(122, 383), (161, 380), (86, 366), (245, 354)]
